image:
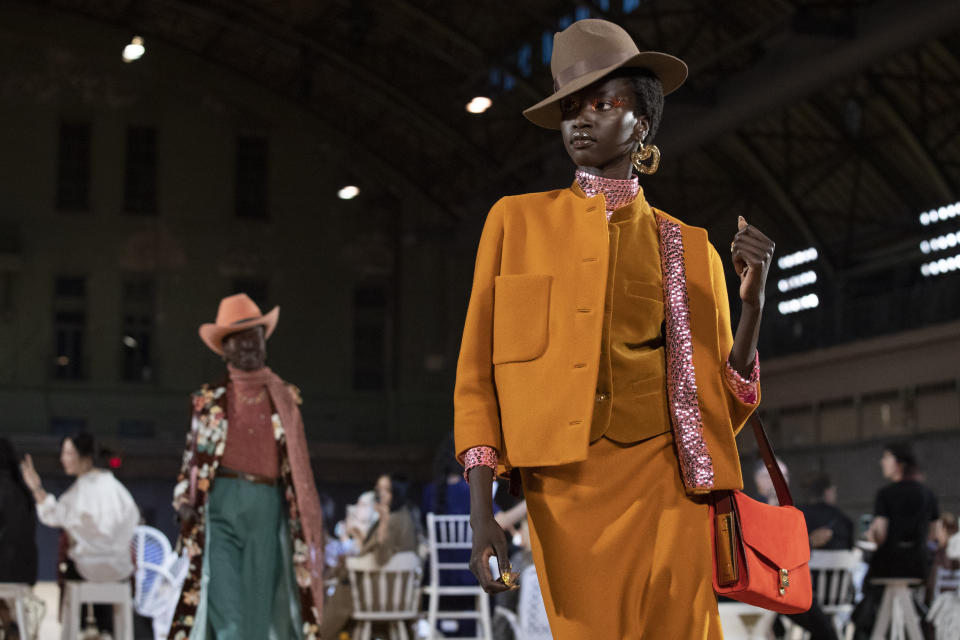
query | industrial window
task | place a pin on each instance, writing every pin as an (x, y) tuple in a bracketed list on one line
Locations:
[(65, 427), (140, 177), (137, 329), (136, 428), (69, 327), (73, 167)]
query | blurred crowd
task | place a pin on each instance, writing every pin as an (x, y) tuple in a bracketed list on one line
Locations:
[(906, 535)]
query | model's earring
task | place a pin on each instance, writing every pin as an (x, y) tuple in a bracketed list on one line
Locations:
[(646, 152)]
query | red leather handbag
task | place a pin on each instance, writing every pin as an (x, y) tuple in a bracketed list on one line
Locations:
[(761, 552)]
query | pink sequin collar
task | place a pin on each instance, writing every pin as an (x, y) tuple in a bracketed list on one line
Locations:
[(616, 193)]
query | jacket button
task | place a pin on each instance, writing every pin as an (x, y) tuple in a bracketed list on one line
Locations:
[(601, 396)]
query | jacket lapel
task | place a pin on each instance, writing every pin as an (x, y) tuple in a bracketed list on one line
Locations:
[(686, 295)]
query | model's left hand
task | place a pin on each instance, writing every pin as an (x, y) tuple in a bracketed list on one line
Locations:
[(752, 253)]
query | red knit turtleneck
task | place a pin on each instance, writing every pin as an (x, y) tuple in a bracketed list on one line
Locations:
[(249, 427)]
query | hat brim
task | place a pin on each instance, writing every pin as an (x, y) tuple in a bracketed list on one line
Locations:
[(671, 71), (213, 334)]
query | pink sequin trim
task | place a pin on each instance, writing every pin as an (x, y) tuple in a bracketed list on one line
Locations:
[(479, 457), (744, 388), (616, 193), (696, 465)]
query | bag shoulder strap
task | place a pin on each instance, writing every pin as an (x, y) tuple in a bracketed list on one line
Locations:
[(770, 462)]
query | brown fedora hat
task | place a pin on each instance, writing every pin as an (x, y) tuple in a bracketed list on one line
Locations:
[(588, 50), (237, 313)]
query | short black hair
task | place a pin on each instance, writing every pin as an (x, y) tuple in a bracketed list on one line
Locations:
[(400, 490), (82, 442), (816, 485), (649, 92), (903, 452)]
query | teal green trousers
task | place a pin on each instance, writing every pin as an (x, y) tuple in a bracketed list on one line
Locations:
[(247, 588)]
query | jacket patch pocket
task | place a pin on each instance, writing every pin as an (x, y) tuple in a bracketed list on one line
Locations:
[(639, 289), (650, 398), (521, 317)]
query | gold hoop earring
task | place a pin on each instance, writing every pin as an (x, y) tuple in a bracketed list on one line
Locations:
[(646, 152)]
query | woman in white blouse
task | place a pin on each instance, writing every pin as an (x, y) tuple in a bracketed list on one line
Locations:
[(97, 513)]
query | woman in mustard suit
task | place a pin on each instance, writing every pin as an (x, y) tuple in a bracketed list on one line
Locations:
[(598, 363)]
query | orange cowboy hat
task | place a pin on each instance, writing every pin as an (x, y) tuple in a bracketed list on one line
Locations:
[(588, 50), (237, 313)]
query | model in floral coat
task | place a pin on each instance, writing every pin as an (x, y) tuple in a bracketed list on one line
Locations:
[(250, 515)]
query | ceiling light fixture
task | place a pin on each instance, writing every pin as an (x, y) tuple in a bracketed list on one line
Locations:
[(941, 267), (797, 281), (479, 104), (809, 301), (791, 260), (940, 214), (946, 241), (349, 192), (134, 50)]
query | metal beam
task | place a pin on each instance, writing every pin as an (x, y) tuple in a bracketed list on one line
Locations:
[(753, 164), (800, 65), (466, 43), (867, 153), (911, 139), (285, 38)]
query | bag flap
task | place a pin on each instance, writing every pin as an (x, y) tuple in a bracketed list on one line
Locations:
[(779, 534)]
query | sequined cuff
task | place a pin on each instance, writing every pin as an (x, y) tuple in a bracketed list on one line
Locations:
[(744, 388), (479, 457)]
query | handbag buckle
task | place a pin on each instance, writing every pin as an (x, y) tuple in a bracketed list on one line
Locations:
[(784, 581)]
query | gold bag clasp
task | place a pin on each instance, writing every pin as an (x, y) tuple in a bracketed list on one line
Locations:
[(784, 581)]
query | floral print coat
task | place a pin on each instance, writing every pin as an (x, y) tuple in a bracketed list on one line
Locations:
[(205, 445)]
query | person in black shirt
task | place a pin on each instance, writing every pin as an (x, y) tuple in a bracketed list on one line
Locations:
[(900, 528), (829, 527), (902, 513)]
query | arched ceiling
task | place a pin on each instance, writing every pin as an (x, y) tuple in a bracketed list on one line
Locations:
[(830, 123)]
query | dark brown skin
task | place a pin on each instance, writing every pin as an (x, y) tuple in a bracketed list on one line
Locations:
[(600, 130), (245, 350), (601, 141)]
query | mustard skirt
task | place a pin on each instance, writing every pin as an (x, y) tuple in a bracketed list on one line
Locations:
[(621, 551)]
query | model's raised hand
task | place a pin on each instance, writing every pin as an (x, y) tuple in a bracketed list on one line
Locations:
[(752, 253)]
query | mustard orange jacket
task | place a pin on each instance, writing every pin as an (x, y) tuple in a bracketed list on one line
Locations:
[(529, 358)]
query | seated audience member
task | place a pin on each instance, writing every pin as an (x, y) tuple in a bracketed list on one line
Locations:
[(944, 612), (349, 533), (97, 514), (943, 530), (765, 489), (448, 493), (828, 526), (903, 512), (18, 527), (395, 531), (814, 620)]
